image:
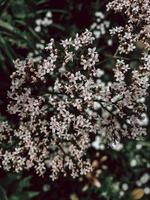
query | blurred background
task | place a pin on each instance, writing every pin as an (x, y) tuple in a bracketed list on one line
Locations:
[(121, 171)]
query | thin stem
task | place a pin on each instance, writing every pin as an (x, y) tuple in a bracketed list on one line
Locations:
[(61, 149)]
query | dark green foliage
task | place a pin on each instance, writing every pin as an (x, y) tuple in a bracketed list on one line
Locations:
[(18, 38), (16, 187)]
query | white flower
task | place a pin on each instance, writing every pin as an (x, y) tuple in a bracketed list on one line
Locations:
[(96, 143), (147, 190), (145, 178), (49, 14), (133, 163), (125, 187), (38, 28), (117, 146)]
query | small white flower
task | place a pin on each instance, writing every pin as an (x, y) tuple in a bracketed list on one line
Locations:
[(145, 178), (133, 163), (38, 28), (147, 190), (96, 143), (49, 14), (138, 146), (125, 187)]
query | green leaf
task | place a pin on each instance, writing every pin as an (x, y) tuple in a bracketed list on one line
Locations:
[(3, 195), (52, 10), (32, 194), (57, 26), (25, 195), (3, 6), (34, 33), (24, 183), (6, 25)]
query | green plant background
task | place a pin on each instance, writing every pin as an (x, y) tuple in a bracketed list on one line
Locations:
[(116, 167)]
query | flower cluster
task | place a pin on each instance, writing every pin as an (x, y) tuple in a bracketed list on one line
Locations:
[(50, 100), (100, 26), (137, 29), (61, 102), (47, 21)]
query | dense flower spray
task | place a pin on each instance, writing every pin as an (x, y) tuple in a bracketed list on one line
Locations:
[(137, 28), (60, 102)]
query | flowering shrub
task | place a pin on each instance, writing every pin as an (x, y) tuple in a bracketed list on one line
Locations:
[(62, 101)]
